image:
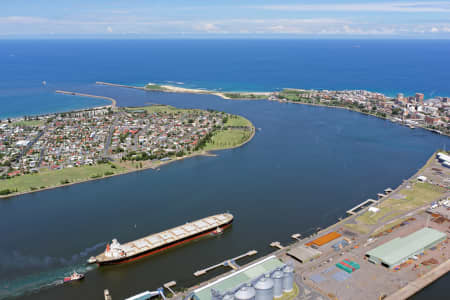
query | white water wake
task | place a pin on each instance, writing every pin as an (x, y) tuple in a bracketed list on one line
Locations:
[(48, 271)]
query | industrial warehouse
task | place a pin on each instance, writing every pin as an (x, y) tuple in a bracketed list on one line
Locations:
[(264, 280), (400, 249)]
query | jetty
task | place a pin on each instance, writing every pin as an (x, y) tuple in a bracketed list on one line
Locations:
[(360, 206), (113, 101), (227, 263)]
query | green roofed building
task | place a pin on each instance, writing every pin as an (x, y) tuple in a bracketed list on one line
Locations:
[(399, 250), (239, 277)]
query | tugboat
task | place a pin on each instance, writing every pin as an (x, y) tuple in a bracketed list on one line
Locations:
[(74, 277)]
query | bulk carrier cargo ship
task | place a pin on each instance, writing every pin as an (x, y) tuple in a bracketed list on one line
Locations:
[(117, 253)]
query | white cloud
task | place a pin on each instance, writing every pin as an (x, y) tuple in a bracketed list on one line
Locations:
[(135, 25), (208, 27), (22, 20), (441, 6)]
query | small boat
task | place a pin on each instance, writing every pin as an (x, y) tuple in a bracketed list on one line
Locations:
[(92, 260), (74, 277)]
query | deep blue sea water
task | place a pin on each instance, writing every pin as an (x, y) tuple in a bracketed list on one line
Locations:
[(378, 65), (304, 168)]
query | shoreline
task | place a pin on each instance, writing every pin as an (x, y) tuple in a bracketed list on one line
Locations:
[(151, 166), (422, 282), (154, 167), (174, 89), (403, 293)]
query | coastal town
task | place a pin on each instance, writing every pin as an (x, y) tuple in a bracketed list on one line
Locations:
[(92, 137), (412, 111)]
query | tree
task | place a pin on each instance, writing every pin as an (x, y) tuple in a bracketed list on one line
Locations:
[(396, 111)]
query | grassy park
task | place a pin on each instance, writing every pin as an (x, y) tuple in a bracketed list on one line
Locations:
[(160, 109), (48, 178), (234, 136), (29, 123), (408, 199), (230, 138)]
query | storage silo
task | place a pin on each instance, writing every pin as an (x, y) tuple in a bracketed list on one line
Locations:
[(264, 289), (215, 295), (277, 277), (288, 278), (228, 296), (245, 293)]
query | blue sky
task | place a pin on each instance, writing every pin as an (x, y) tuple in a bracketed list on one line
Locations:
[(224, 18)]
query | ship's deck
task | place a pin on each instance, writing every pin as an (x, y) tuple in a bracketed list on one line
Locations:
[(181, 232)]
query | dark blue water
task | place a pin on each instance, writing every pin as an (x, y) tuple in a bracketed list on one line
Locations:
[(304, 169), (378, 65)]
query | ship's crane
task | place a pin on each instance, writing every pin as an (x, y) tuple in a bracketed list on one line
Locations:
[(147, 295)]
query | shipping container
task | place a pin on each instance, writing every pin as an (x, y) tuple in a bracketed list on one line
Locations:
[(342, 267), (352, 263), (348, 266)]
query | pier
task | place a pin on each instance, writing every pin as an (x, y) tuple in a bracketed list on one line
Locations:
[(113, 101), (227, 263), (276, 245), (366, 203)]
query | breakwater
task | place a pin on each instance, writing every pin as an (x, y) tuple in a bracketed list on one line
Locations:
[(113, 101), (120, 85)]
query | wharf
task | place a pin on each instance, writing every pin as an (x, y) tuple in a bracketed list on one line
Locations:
[(361, 206), (230, 263), (421, 282)]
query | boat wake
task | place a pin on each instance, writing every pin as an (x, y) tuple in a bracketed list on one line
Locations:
[(47, 271)]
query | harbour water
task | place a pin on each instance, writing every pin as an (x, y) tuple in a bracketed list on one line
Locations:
[(305, 167)]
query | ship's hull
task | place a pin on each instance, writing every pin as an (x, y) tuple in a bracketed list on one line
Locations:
[(161, 248)]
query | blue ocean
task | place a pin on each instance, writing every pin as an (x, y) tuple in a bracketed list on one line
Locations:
[(387, 66)]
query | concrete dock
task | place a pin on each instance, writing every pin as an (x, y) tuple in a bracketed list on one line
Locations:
[(421, 282), (227, 263), (361, 206)]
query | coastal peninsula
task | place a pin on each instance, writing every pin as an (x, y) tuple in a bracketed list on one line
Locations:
[(412, 111), (60, 149)]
